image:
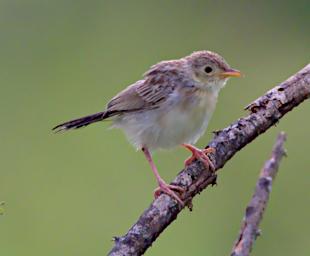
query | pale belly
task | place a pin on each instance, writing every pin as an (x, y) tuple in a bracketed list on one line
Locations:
[(182, 126), (170, 126)]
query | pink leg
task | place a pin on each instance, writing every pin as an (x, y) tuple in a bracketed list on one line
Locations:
[(163, 186), (199, 154)]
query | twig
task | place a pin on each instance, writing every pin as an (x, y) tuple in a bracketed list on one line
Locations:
[(255, 209), (264, 113)]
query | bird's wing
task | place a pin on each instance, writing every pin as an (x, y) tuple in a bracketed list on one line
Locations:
[(127, 100), (158, 83)]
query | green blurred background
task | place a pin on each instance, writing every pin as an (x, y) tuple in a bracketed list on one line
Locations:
[(69, 194)]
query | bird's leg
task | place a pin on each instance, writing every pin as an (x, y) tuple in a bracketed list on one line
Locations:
[(163, 187), (199, 154)]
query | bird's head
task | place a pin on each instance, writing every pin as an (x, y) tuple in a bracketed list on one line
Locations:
[(210, 69)]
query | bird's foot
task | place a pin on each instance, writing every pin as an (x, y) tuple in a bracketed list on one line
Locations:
[(171, 191), (201, 155)]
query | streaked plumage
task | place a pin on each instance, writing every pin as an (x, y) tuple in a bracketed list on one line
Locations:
[(171, 105)]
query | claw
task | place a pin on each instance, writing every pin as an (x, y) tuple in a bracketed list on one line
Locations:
[(201, 155), (170, 190)]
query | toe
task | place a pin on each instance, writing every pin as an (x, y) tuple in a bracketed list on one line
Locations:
[(189, 161), (178, 189), (209, 150), (157, 192), (169, 190)]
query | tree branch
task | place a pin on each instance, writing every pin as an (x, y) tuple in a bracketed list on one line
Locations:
[(264, 113), (255, 209)]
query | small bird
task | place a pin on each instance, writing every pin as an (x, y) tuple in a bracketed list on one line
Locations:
[(170, 106)]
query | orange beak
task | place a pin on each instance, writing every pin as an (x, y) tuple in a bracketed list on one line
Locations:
[(231, 73)]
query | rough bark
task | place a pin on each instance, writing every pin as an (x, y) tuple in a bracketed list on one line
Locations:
[(255, 209), (264, 113)]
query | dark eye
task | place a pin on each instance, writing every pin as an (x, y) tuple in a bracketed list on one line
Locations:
[(208, 69)]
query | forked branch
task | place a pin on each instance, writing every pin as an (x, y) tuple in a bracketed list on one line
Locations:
[(255, 209), (265, 112)]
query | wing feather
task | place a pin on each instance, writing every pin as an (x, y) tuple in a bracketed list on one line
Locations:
[(158, 83)]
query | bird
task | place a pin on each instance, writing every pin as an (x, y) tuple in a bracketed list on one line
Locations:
[(170, 106)]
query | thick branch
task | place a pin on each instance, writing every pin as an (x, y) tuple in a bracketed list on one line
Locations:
[(255, 209), (264, 113)]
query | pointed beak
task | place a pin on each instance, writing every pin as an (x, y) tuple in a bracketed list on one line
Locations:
[(231, 73)]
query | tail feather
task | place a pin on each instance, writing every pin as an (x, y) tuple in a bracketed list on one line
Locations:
[(80, 122)]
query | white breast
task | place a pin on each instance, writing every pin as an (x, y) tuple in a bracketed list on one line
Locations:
[(182, 119), (186, 121)]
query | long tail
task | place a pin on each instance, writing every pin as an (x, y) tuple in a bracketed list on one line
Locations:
[(80, 122)]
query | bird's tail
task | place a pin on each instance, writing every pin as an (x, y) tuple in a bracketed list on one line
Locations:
[(80, 122)]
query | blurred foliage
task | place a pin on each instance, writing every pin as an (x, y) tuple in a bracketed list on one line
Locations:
[(1, 207), (69, 194)]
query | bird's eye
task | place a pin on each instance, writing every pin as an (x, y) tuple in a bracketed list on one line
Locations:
[(208, 69)]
